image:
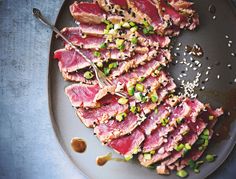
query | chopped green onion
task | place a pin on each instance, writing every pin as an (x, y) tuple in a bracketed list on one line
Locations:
[(179, 147), (142, 79), (206, 132), (147, 156), (88, 75), (211, 118), (120, 117), (122, 47), (103, 45), (145, 31), (196, 170), (133, 109), (204, 137), (132, 24), (200, 141), (179, 120), (156, 111), (150, 28), (191, 164), (109, 26), (134, 40), (113, 65), (159, 68), (152, 152), (205, 143), (106, 31), (123, 101), (130, 90), (145, 23), (210, 158), (164, 121), (139, 87), (126, 25), (134, 29), (99, 64), (119, 42), (138, 96), (187, 146), (154, 97), (97, 54), (106, 71), (128, 157), (135, 151), (106, 22), (182, 173), (200, 148)]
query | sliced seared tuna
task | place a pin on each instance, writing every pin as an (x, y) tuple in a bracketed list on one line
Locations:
[(108, 109), (87, 12), (70, 60), (129, 144), (82, 95), (147, 10)]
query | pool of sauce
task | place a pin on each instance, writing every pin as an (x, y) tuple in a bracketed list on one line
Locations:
[(78, 145), (103, 159)]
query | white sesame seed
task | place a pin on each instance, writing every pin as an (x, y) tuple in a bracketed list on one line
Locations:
[(181, 76), (209, 68), (194, 68), (203, 87), (206, 79), (226, 36), (218, 76), (191, 66), (230, 41), (176, 61), (179, 44), (207, 72), (229, 45), (177, 48), (229, 65), (235, 80), (184, 74), (214, 17), (184, 53), (233, 54), (186, 69), (199, 65), (178, 78)]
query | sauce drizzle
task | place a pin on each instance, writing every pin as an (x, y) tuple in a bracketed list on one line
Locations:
[(78, 145)]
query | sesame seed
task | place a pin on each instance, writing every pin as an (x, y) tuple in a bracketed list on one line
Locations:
[(214, 17), (177, 48), (218, 76), (195, 68), (226, 36), (179, 44), (230, 41), (202, 88), (207, 72), (233, 54), (209, 68), (229, 66), (235, 80), (229, 45), (206, 79)]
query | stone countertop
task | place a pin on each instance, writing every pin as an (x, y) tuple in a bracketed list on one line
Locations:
[(28, 146)]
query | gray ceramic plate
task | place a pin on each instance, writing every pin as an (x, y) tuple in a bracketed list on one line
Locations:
[(211, 36)]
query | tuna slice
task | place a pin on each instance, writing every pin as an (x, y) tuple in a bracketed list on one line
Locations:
[(87, 12), (70, 60), (78, 76), (147, 9), (82, 95), (129, 144), (92, 117)]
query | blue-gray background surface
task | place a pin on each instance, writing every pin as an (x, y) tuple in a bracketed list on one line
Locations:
[(28, 147)]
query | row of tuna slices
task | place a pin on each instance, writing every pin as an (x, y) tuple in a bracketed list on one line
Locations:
[(158, 127), (166, 18)]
